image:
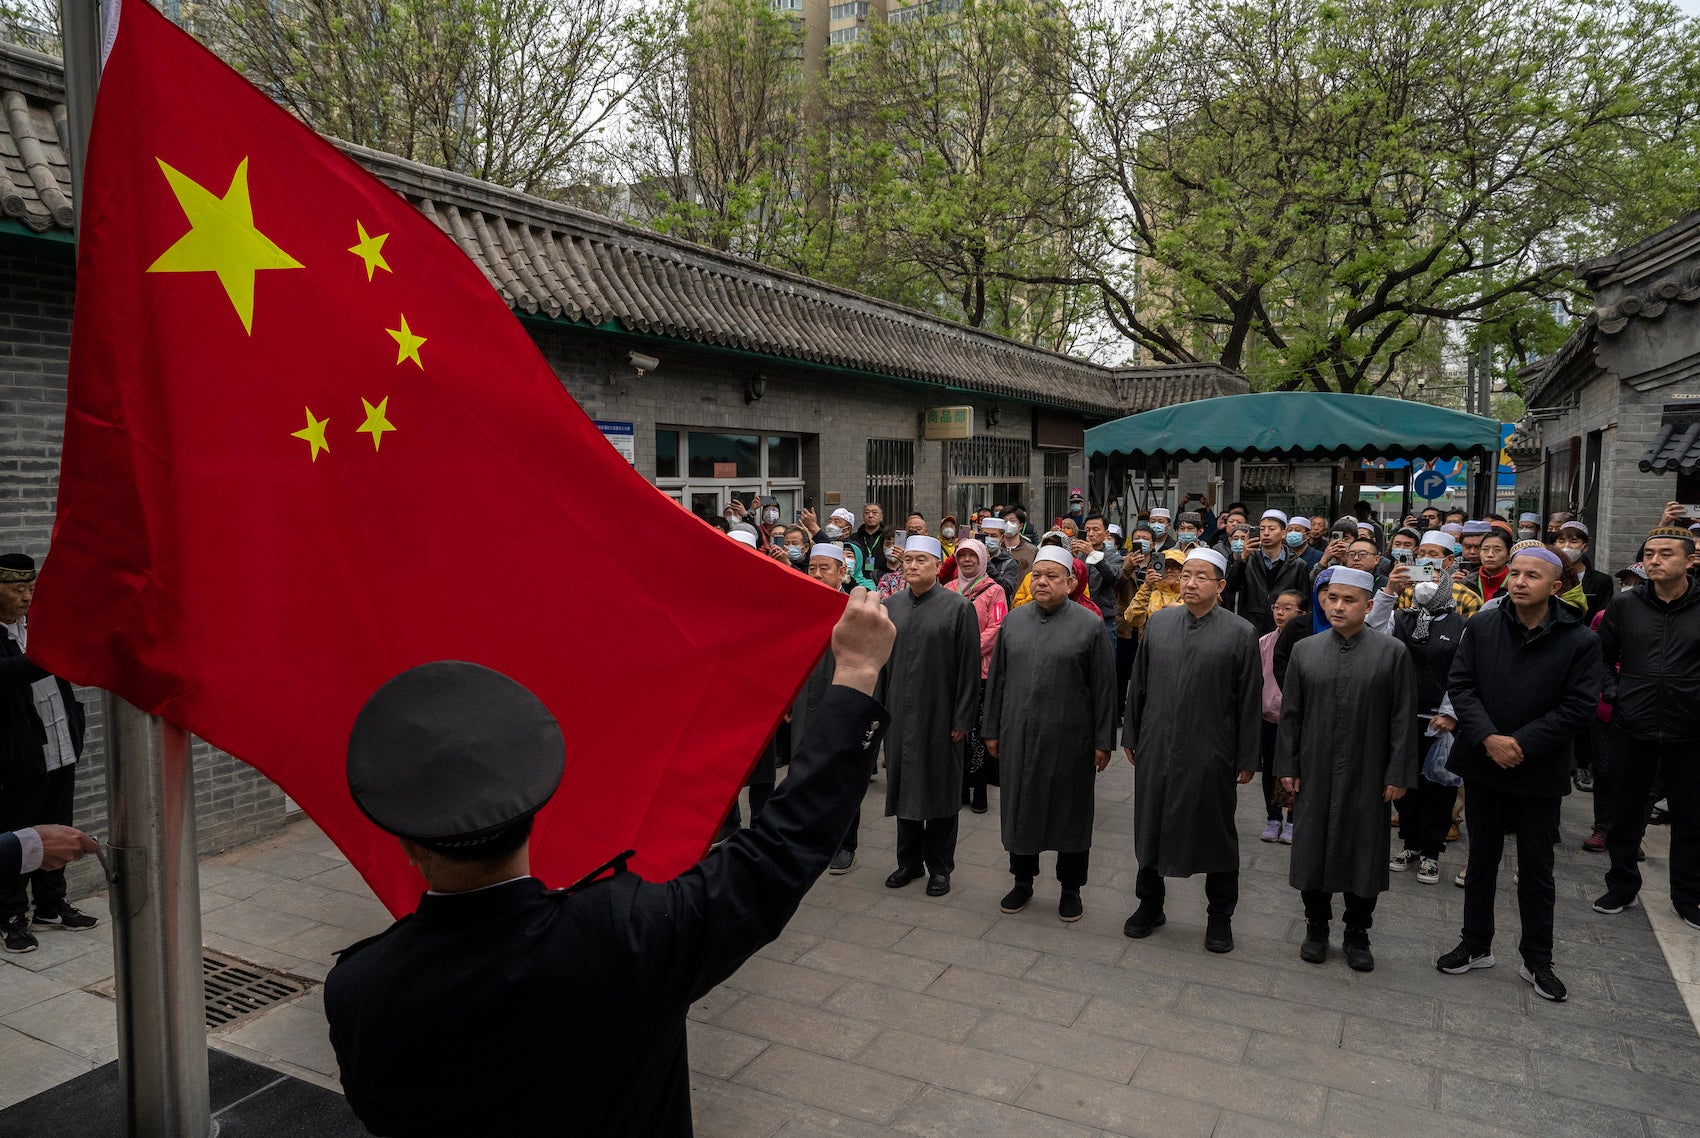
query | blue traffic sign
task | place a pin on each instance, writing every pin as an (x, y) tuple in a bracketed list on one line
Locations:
[(1430, 485)]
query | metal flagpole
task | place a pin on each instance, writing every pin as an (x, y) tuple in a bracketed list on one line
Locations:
[(150, 800)]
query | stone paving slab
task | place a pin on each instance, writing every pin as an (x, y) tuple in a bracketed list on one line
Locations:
[(885, 1011)]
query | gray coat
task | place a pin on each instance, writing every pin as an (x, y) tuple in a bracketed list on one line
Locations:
[(1348, 731), (1101, 578), (1050, 703), (1184, 785), (931, 687)]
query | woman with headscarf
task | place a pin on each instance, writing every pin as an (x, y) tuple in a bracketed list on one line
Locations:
[(1080, 595), (990, 607)]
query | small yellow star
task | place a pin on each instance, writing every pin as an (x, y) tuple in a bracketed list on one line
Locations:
[(222, 239), (407, 344), (375, 424), (371, 250), (313, 434)]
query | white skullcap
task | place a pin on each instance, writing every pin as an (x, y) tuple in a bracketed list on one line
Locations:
[(1528, 519), (1161, 512), (1115, 529), (827, 549), (1053, 553), (921, 543), (1437, 537), (1356, 578), (1200, 553), (996, 525), (744, 537), (1300, 521), (1276, 514), (841, 512)]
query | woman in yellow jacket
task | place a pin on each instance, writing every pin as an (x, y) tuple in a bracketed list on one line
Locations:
[(1158, 592)]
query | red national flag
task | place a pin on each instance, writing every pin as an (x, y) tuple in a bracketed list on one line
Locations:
[(308, 447)]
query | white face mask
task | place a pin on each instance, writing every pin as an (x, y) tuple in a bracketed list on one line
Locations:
[(1424, 593), (947, 532), (1571, 552), (833, 532)]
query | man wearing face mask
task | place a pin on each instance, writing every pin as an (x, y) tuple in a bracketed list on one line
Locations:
[(837, 531), (1189, 531), (1555, 522), (947, 535), (1572, 544), (1264, 573), (797, 548), (1435, 561), (1528, 527), (1159, 522), (1001, 566), (1015, 543), (1103, 569), (1299, 544)]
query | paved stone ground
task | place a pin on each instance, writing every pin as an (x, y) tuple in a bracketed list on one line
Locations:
[(882, 1011)]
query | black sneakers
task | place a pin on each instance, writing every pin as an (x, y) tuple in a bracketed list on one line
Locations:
[(1144, 921), (1463, 958), (1355, 944), (1016, 899), (1614, 903), (1069, 907), (66, 917), (1546, 983), (1690, 915), (842, 862), (17, 936), (938, 885)]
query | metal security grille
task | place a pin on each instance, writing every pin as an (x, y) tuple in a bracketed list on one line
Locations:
[(988, 459), (235, 990), (1056, 483), (891, 477)]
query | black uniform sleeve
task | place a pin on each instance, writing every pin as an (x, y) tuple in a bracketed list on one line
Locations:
[(11, 856), (1474, 723), (686, 935)]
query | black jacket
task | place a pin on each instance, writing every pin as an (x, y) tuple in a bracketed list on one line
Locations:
[(872, 546), (1599, 589), (520, 1010), (22, 735), (1540, 686), (1251, 587), (1651, 653), (1432, 657)]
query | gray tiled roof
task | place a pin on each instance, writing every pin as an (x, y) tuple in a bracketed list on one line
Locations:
[(1163, 385), (1675, 449), (563, 263)]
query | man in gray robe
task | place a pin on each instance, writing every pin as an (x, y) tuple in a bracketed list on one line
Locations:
[(931, 685), (1050, 722), (1347, 749), (1193, 711)]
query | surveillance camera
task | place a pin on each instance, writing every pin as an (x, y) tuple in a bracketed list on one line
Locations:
[(642, 362)]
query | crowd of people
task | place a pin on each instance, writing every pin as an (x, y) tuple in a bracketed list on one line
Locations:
[(1415, 682)]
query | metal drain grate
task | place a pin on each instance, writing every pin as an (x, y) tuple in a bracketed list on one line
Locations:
[(235, 990)]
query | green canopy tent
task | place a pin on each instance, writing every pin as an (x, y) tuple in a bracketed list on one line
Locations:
[(1297, 426)]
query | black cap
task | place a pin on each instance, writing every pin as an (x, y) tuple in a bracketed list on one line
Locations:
[(16, 568), (451, 754)]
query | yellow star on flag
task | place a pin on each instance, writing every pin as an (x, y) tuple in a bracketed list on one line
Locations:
[(376, 424), (371, 250), (221, 239), (313, 434), (407, 344)]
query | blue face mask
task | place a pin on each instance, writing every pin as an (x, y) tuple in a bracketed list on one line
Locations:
[(1159, 528), (795, 552), (1186, 537), (1144, 546), (1295, 538), (1237, 545), (1429, 562), (1457, 549)]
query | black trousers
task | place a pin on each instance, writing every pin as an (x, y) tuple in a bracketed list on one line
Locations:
[(1490, 813), (1600, 764), (849, 842), (978, 768), (1071, 867), (1425, 815), (1127, 648), (930, 843), (1319, 907), (29, 802), (1635, 763), (1266, 740), (1221, 890)]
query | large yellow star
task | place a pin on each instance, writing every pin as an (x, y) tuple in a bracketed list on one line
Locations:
[(375, 424), (313, 434), (371, 250), (407, 344), (221, 239)]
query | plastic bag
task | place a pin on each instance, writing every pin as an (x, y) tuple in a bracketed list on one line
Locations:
[(1434, 763)]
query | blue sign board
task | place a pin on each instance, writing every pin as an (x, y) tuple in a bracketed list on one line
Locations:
[(1430, 484)]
